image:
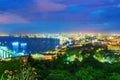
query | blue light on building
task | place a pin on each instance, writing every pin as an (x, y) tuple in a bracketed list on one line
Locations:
[(5, 52), (23, 47), (15, 46)]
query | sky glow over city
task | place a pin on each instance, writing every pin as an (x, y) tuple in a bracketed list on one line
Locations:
[(56, 16)]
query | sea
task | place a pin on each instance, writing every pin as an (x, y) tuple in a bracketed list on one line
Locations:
[(34, 45)]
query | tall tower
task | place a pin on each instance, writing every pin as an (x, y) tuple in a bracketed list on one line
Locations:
[(23, 47), (15, 46)]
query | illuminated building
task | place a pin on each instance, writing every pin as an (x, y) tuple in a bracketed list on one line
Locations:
[(112, 47), (48, 57), (15, 46), (23, 47), (100, 36), (4, 35), (63, 39), (4, 52)]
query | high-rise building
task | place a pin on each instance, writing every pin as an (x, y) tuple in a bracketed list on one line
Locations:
[(23, 47), (3, 52), (15, 46)]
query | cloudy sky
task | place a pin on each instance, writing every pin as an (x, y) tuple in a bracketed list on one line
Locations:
[(55, 16)]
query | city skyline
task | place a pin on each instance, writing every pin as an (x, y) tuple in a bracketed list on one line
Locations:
[(55, 16)]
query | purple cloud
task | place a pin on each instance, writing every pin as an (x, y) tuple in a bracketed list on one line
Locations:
[(84, 2), (118, 5), (47, 6), (8, 18)]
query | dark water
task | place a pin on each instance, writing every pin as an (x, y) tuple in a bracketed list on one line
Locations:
[(34, 45)]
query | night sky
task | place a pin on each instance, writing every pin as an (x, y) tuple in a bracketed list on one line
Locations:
[(56, 16)]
